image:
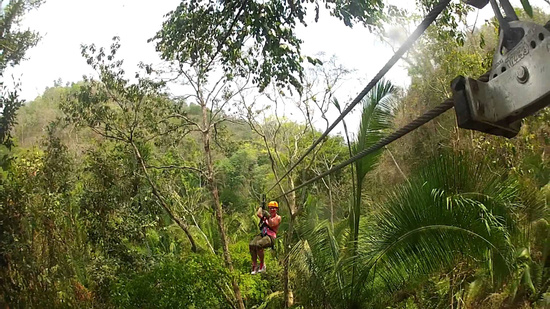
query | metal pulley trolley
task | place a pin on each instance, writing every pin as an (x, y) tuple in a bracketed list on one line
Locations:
[(518, 83)]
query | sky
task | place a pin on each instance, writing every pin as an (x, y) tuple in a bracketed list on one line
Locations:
[(66, 24)]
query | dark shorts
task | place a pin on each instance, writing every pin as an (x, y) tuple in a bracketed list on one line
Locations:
[(261, 242)]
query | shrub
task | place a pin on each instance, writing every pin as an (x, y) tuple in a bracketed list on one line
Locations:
[(196, 281)]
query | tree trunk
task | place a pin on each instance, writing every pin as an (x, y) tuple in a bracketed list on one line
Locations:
[(331, 204), (356, 213), (212, 183), (291, 198), (291, 203), (289, 299), (161, 200)]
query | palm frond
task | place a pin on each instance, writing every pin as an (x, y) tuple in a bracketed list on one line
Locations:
[(376, 117), (316, 255), (452, 209)]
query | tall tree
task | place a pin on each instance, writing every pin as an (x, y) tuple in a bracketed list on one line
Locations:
[(197, 66), (132, 114), (333, 248), (376, 118), (256, 37), (14, 43)]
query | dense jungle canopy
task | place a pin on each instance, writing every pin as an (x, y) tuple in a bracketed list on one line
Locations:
[(116, 192)]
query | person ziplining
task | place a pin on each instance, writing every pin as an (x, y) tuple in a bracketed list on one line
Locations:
[(269, 224)]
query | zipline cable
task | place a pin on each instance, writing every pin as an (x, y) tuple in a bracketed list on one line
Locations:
[(411, 126), (428, 20)]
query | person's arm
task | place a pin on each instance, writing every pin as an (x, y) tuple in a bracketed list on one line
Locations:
[(273, 224), (259, 212)]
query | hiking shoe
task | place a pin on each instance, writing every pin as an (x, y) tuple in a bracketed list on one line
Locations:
[(261, 270), (254, 270)]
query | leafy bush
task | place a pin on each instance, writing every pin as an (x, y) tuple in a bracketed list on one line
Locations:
[(196, 281), (257, 290)]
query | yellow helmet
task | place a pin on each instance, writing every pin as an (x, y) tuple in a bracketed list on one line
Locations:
[(273, 204)]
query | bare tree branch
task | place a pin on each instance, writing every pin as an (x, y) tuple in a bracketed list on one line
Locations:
[(96, 130), (179, 167), (160, 198)]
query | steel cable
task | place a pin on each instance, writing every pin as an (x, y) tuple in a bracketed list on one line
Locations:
[(411, 126), (428, 20)]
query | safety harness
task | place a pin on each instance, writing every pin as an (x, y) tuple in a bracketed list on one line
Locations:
[(263, 226)]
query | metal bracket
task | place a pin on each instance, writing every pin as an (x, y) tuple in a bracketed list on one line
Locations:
[(518, 85), (509, 36), (477, 3)]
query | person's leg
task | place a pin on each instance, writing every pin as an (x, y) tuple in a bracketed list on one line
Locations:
[(261, 255), (253, 255), (265, 242), (253, 247)]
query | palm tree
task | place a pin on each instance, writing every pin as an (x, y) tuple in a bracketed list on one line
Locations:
[(453, 209), (316, 255), (322, 247), (376, 119)]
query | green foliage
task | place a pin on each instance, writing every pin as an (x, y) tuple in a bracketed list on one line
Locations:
[(14, 43), (321, 283), (116, 108), (194, 281), (205, 33), (376, 118), (240, 176), (9, 104), (450, 210), (43, 243), (256, 288), (33, 117), (115, 194)]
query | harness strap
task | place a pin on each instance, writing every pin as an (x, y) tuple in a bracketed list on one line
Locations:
[(264, 226)]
